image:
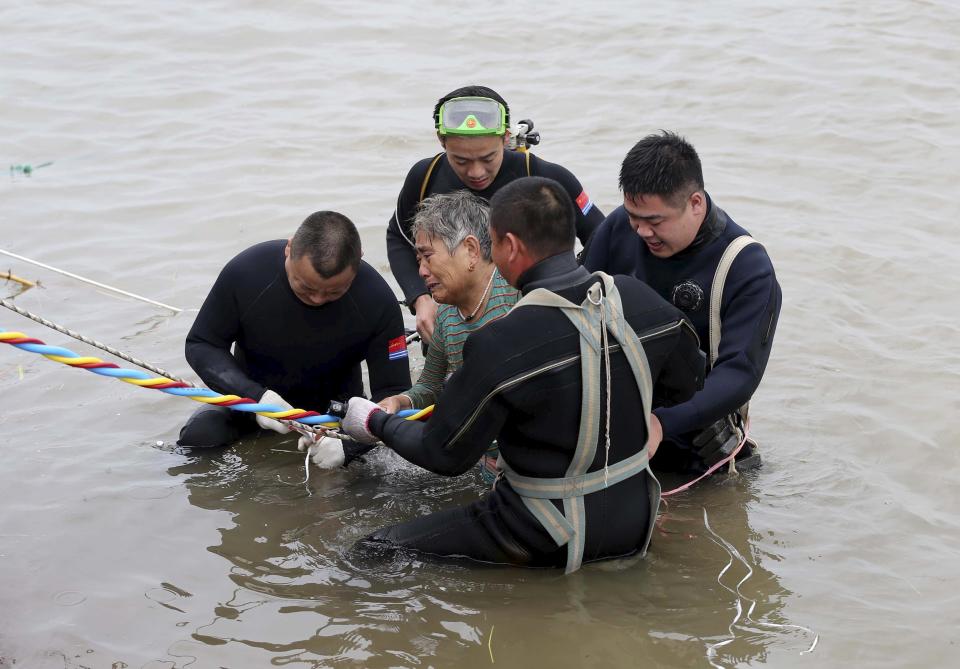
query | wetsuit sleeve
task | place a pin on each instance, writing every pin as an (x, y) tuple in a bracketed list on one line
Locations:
[(211, 336), (596, 253), (749, 320), (589, 215), (467, 419), (427, 388), (400, 250), (387, 360), (683, 369)]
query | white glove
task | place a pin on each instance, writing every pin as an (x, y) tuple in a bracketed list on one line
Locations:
[(271, 397), (354, 423), (326, 453)]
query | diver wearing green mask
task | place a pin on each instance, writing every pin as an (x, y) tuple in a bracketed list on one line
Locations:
[(473, 126)]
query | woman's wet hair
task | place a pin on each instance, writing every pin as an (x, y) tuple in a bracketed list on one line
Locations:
[(538, 211), (453, 217), (330, 240), (469, 92), (663, 164)]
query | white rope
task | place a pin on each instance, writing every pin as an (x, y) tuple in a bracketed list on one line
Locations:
[(90, 281), (299, 427), (733, 553), (86, 340), (605, 343)]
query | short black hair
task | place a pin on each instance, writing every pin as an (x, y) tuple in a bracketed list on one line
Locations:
[(469, 92), (331, 240), (663, 164), (539, 212)]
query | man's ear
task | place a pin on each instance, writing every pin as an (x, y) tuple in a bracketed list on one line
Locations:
[(699, 202), (443, 140), (515, 246), (286, 249)]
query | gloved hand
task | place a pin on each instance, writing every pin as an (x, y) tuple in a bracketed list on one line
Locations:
[(354, 423), (717, 441), (326, 453), (330, 453), (271, 397)]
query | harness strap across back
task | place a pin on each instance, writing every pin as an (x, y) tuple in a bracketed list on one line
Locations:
[(601, 313)]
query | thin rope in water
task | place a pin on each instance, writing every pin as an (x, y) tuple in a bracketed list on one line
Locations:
[(303, 419), (733, 553), (712, 469), (90, 281)]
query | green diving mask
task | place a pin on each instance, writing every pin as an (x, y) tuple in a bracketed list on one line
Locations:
[(472, 116)]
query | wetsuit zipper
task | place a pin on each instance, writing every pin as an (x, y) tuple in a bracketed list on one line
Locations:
[(652, 333)]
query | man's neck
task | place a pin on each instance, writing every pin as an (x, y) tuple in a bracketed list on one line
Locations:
[(553, 273), (712, 227)]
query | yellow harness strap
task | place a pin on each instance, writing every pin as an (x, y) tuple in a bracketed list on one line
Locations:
[(426, 178)]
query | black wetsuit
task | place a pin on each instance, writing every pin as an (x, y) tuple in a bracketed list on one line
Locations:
[(307, 354), (497, 394), (400, 251), (749, 313)]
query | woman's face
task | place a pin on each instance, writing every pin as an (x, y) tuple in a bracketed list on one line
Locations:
[(446, 274)]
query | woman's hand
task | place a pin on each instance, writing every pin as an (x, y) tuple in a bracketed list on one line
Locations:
[(426, 312), (395, 403)]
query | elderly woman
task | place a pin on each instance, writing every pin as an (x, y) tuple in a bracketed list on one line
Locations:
[(453, 249)]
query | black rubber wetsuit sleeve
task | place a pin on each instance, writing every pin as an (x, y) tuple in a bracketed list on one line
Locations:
[(466, 421), (586, 223), (683, 370), (400, 250), (214, 330), (749, 320)]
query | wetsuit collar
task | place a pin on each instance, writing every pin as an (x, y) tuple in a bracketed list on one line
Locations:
[(714, 223), (553, 273)]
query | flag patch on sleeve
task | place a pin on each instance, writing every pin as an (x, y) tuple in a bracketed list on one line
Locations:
[(584, 202), (397, 348)]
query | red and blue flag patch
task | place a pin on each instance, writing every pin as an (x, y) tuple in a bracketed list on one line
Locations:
[(397, 348), (584, 202)]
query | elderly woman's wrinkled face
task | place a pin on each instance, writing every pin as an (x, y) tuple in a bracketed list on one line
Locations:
[(446, 274)]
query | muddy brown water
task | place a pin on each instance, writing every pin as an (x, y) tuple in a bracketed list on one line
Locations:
[(182, 133)]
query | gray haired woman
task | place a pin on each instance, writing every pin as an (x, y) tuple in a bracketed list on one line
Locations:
[(453, 249)]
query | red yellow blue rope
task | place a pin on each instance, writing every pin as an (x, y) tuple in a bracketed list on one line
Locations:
[(179, 388)]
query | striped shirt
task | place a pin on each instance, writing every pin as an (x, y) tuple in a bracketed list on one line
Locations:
[(450, 332)]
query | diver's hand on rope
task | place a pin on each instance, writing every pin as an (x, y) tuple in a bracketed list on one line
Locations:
[(326, 452), (355, 422), (426, 311), (271, 397), (333, 452)]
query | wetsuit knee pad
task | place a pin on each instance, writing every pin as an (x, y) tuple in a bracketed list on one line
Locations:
[(213, 426)]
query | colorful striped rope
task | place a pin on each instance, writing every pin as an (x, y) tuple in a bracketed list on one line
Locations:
[(179, 388)]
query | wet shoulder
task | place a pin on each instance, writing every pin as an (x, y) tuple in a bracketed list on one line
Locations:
[(371, 288), (256, 259), (753, 258), (544, 168)]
